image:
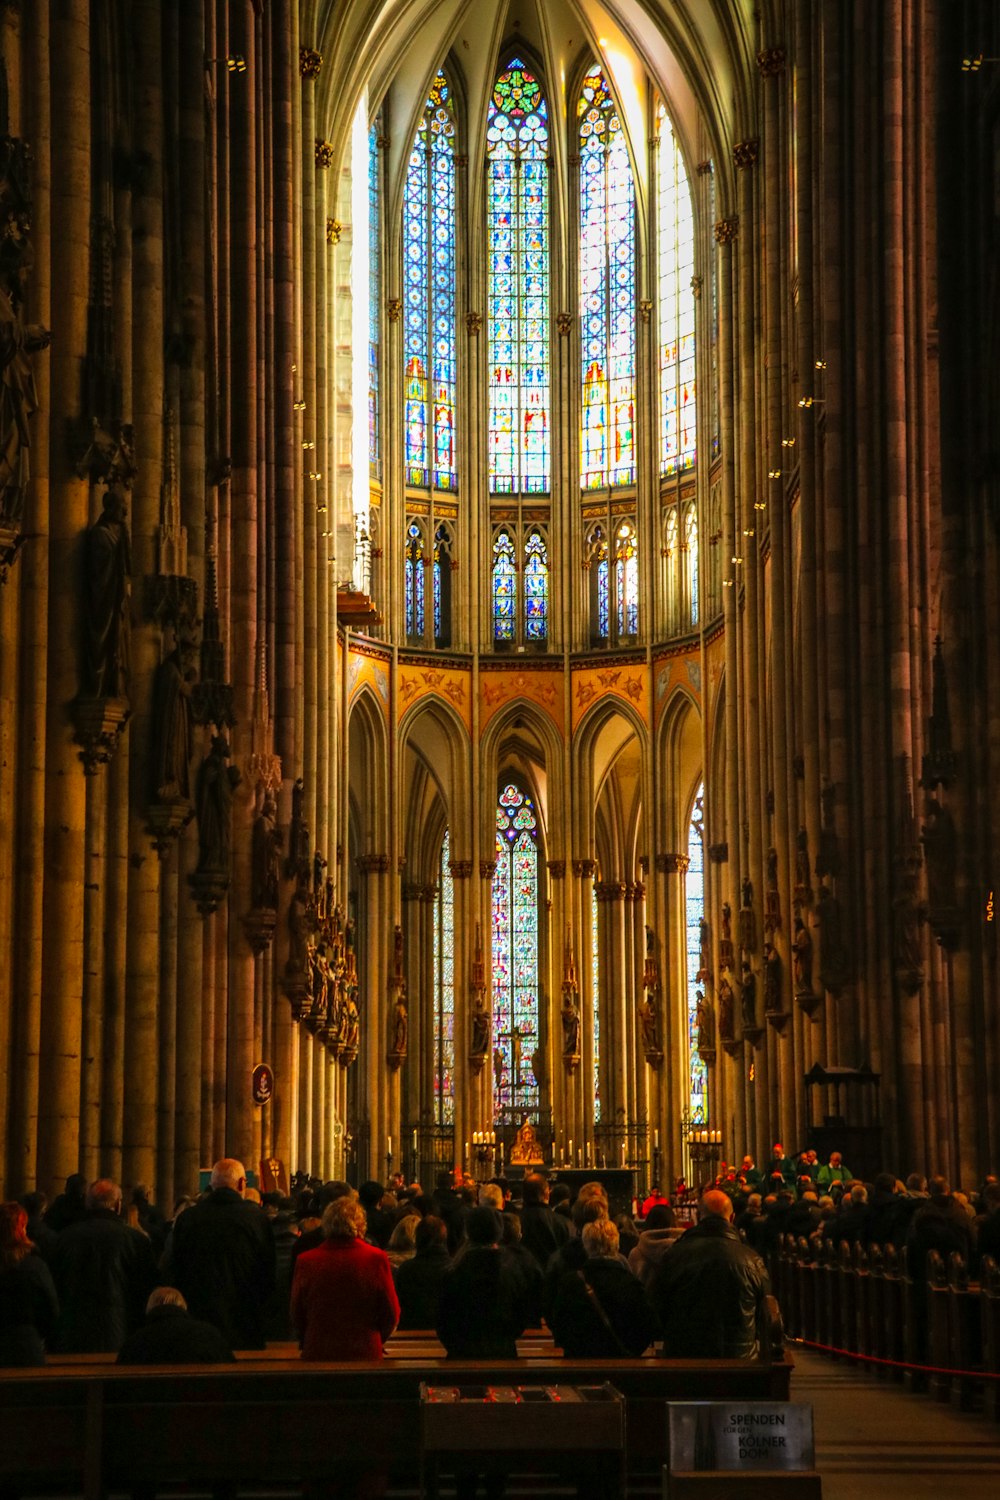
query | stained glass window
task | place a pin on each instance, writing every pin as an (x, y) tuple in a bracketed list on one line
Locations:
[(517, 146), (444, 990), (607, 290), (691, 555), (627, 580), (600, 584), (414, 580), (694, 896), (595, 989), (429, 296), (504, 588), (515, 955), (677, 303), (374, 277), (442, 586), (536, 588)]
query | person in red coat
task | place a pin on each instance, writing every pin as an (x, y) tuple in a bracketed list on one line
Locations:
[(344, 1304)]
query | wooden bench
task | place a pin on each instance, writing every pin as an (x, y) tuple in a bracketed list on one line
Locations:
[(283, 1422)]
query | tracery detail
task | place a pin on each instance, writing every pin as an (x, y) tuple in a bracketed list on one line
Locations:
[(675, 237), (515, 956)]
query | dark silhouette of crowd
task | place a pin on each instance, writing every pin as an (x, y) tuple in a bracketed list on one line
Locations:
[(339, 1269)]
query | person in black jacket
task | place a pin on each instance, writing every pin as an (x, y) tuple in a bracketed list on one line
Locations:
[(29, 1307), (103, 1271), (710, 1291), (542, 1231), (221, 1256), (482, 1310), (419, 1281), (170, 1336), (601, 1310)]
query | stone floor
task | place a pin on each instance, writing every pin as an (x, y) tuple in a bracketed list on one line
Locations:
[(912, 1446)]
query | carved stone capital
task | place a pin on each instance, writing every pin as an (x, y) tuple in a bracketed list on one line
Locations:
[(584, 868), (166, 819), (460, 869), (487, 869), (745, 154), (564, 322), (556, 868), (703, 168), (334, 230), (259, 926), (645, 309), (726, 230), (374, 864), (393, 309), (323, 154), (310, 62), (771, 61), (99, 723), (474, 324), (672, 864)]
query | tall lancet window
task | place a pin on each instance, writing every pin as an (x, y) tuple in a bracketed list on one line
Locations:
[(607, 290), (536, 588), (517, 147), (429, 297), (627, 580), (694, 896), (374, 281), (595, 983), (444, 990), (515, 957), (414, 580), (691, 558), (675, 240), (504, 588)]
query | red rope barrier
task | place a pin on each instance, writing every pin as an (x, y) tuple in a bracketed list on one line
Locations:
[(898, 1364)]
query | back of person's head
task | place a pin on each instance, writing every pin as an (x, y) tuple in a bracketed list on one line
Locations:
[(826, 1205), (990, 1196), (370, 1193), (511, 1229), (810, 1196), (442, 1181), (331, 1191), (592, 1190), (884, 1183), (272, 1201), (859, 1193), (715, 1205), (753, 1203), (34, 1204), (467, 1193), (534, 1189), (916, 1183), (104, 1194), (14, 1242), (939, 1187), (429, 1233), (344, 1219), (490, 1196), (559, 1193), (588, 1210), (600, 1239), (252, 1195), (166, 1296), (660, 1216), (483, 1226), (229, 1173), (403, 1237), (76, 1188)]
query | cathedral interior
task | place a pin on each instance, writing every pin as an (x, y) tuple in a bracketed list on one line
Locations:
[(500, 556)]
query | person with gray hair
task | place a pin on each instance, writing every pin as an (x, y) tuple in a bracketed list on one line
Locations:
[(170, 1336), (601, 1310), (103, 1272), (221, 1256)]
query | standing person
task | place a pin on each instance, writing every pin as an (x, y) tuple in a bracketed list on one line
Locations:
[(344, 1304), (482, 1312), (103, 1272), (29, 1308), (710, 1291), (601, 1311), (419, 1281), (834, 1171), (221, 1257), (542, 1231)]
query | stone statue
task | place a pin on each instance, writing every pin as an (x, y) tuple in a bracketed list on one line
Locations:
[(649, 1024), (772, 980), (107, 565), (214, 802), (480, 1026), (727, 1024), (265, 865), (299, 926), (170, 760), (835, 962), (803, 889), (940, 843), (705, 1025), (399, 1026), (803, 958), (570, 1016), (397, 950), (772, 869), (727, 922), (18, 397), (746, 921), (748, 1000), (497, 1068), (352, 1025)]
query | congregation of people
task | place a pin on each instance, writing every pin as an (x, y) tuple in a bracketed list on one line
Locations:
[(339, 1269)]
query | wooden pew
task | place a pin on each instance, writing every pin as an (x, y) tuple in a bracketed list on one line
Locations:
[(268, 1422), (965, 1345), (989, 1309)]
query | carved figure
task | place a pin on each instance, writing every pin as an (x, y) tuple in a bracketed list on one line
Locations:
[(772, 869), (516, 1045), (107, 561), (397, 950), (497, 1068), (650, 943), (649, 1024), (570, 1016), (941, 854), (803, 959), (746, 921), (705, 1023), (727, 922), (265, 865), (214, 801), (299, 927), (772, 980), (352, 1026), (834, 957), (526, 1146), (803, 890), (480, 1026), (18, 397), (171, 728), (748, 999), (399, 1027), (727, 999)]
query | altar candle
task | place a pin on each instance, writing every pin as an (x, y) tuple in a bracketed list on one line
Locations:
[(571, 1150), (579, 1156), (656, 1140), (623, 1153), (388, 1146), (468, 1153), (415, 1146)]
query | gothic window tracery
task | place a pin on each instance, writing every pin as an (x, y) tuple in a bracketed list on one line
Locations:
[(691, 559), (518, 283), (607, 289), (675, 247), (429, 351), (515, 956), (444, 989), (627, 580), (444, 547), (504, 587), (414, 581), (536, 588)]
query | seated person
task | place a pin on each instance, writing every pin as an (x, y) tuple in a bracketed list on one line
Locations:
[(171, 1336)]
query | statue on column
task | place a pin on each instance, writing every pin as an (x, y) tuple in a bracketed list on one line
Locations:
[(803, 875), (649, 1027), (299, 926), (570, 1017), (726, 938), (705, 1025), (298, 832), (704, 951), (802, 961), (18, 340), (107, 565), (480, 1042), (266, 867), (171, 736), (748, 1001), (940, 843), (727, 1019), (497, 1068), (746, 921), (400, 1023), (835, 961), (217, 780)]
